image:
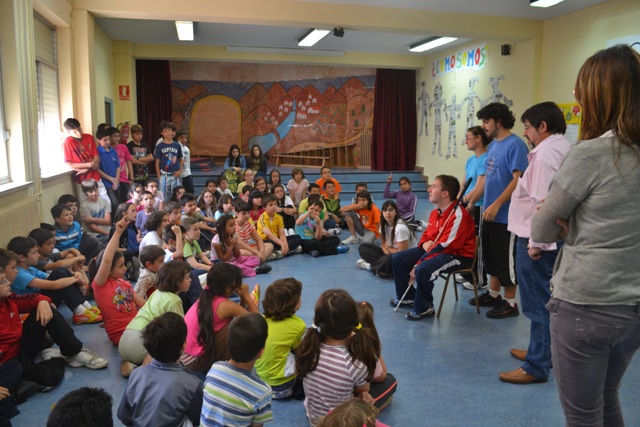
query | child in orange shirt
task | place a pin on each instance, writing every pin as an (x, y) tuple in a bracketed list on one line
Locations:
[(369, 224)]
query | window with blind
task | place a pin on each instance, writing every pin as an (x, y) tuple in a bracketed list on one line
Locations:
[(4, 161), (49, 121)]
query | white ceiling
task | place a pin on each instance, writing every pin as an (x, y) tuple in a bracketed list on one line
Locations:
[(245, 35)]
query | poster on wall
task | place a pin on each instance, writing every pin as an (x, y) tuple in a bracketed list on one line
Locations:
[(473, 58), (573, 117)]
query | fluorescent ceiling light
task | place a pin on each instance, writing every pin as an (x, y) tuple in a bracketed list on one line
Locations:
[(544, 3), (312, 37), (185, 30), (431, 43), (284, 51)]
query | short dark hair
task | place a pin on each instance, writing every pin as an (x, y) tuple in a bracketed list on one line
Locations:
[(171, 274), (246, 337), (102, 133), (324, 186), (6, 256), (154, 221), (450, 184), (498, 112), (149, 181), (247, 189), (150, 253), (313, 198), (281, 298), (136, 128), (113, 130), (164, 337), (71, 124), (182, 132), (58, 209), (166, 125), (240, 205), (268, 198), (312, 186), (41, 236), (323, 168), (48, 227), (362, 184), (188, 223), (186, 198), (547, 112), (169, 234), (84, 406), (172, 206), (87, 185), (67, 198), (21, 245), (222, 178)]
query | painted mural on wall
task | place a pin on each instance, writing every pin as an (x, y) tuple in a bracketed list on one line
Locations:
[(282, 116), (452, 111)]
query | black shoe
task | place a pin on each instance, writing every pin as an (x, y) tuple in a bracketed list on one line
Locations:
[(503, 310), (486, 300), (25, 390), (263, 268)]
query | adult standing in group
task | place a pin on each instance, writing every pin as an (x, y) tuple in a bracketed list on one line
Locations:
[(595, 304), (506, 161), (544, 127)]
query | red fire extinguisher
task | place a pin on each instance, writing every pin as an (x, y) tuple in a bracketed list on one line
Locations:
[(124, 128)]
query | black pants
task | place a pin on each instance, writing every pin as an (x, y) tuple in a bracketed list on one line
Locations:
[(327, 245), (382, 392), (10, 374), (374, 255), (187, 183), (49, 372), (113, 198), (292, 241), (71, 295), (90, 247)]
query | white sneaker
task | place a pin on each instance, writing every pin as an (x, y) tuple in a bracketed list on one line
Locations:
[(460, 279), (272, 257), (292, 232), (424, 223), (351, 240), (419, 228), (50, 353), (363, 264), (88, 359), (335, 231), (298, 250)]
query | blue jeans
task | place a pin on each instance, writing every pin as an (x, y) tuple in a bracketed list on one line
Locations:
[(592, 348), (167, 184), (426, 273), (535, 292)]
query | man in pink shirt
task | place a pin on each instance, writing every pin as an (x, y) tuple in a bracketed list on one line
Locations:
[(544, 127)]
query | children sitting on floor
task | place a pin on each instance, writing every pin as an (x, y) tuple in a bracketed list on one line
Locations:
[(61, 285), (367, 221), (326, 176), (151, 258), (155, 223), (233, 393), (192, 252), (276, 367), (316, 240), (143, 215), (285, 208), (208, 319), (158, 197), (69, 233), (248, 237), (162, 393), (271, 229)]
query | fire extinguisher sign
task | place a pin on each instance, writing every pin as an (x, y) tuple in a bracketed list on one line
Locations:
[(124, 92)]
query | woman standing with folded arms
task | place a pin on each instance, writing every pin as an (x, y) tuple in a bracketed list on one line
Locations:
[(595, 305)]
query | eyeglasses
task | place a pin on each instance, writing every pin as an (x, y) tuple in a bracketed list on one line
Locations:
[(5, 282)]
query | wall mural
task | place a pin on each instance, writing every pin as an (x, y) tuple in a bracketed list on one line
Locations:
[(283, 116), (453, 111)]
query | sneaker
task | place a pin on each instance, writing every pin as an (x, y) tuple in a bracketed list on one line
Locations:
[(272, 257), (50, 353), (424, 223), (278, 254), (405, 302), (292, 232), (363, 264), (486, 300), (126, 368), (342, 249), (95, 309), (335, 231), (263, 269), (459, 278), (88, 359), (469, 286), (89, 316), (255, 295), (414, 315), (314, 253), (351, 240), (298, 250), (502, 310), (419, 228)]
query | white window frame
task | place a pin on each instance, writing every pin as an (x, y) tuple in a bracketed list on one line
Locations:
[(5, 176)]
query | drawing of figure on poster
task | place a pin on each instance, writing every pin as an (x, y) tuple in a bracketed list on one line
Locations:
[(437, 104), (470, 99), (497, 95), (451, 113), (423, 105)]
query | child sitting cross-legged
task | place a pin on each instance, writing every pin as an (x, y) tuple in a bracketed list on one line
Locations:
[(151, 258), (363, 219), (162, 393), (208, 319), (316, 240), (225, 247), (50, 260), (61, 285), (233, 394), (95, 212), (336, 358), (248, 237), (192, 253), (154, 225), (276, 367), (173, 278)]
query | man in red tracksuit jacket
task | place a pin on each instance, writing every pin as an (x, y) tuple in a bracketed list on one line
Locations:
[(447, 243)]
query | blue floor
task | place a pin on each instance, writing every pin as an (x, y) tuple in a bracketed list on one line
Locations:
[(447, 368)]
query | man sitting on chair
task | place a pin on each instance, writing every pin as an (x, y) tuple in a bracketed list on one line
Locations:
[(448, 243)]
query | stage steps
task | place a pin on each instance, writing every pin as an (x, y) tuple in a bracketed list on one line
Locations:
[(203, 169)]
